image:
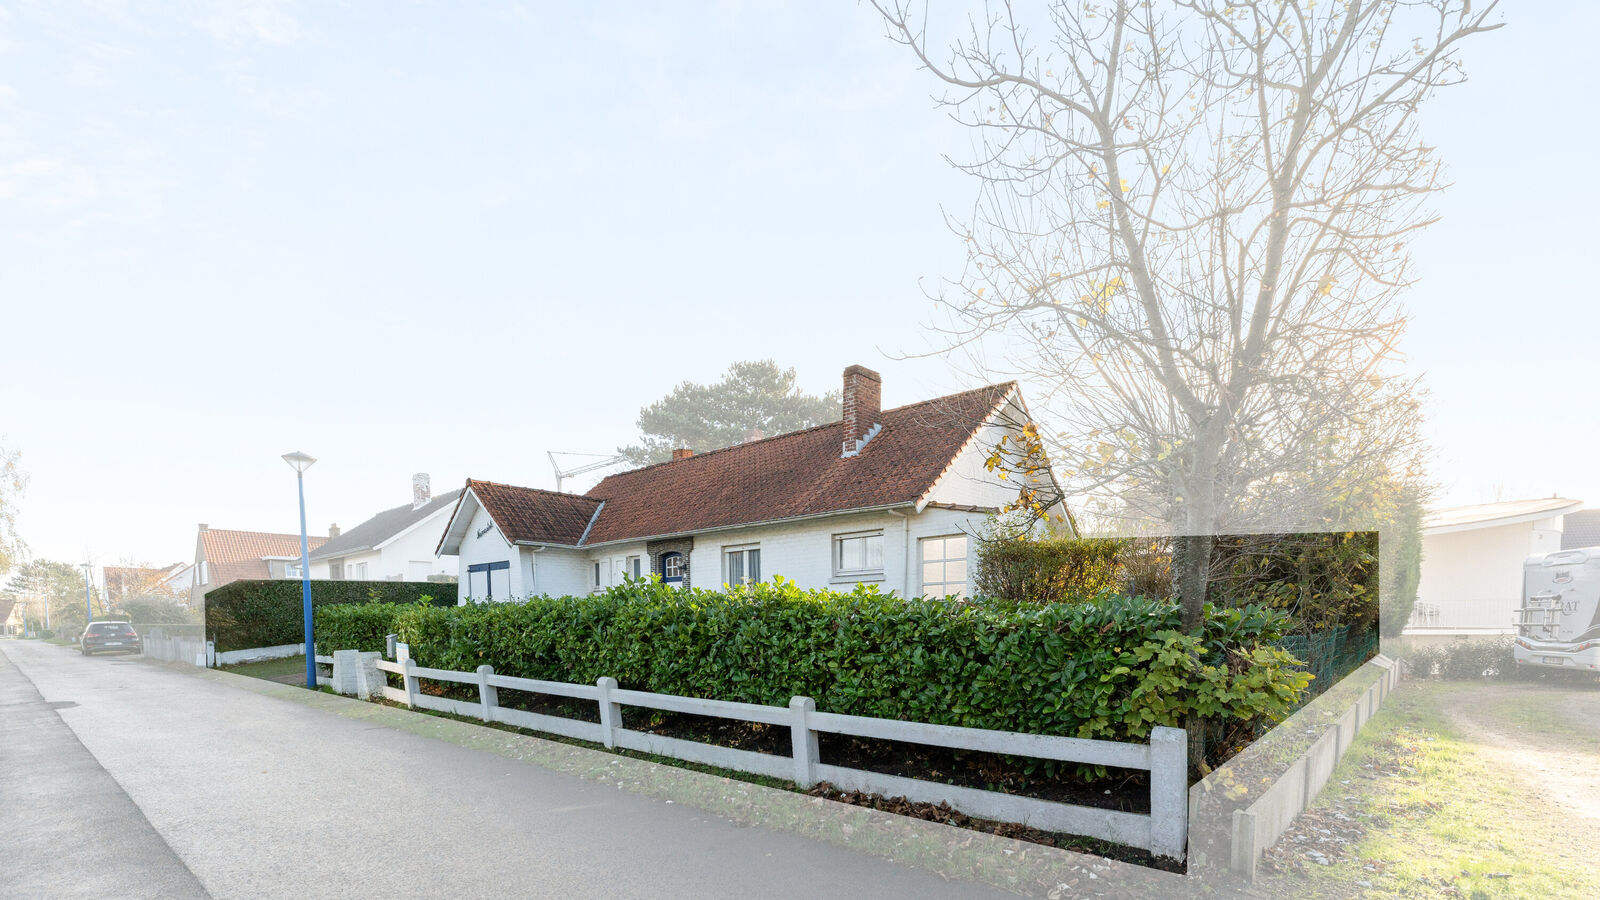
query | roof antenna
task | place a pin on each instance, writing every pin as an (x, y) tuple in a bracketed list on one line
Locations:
[(604, 460)]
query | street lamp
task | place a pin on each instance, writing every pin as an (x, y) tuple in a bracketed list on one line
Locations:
[(301, 462)]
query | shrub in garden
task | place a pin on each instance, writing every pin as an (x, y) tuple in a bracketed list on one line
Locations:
[(1112, 668), (355, 626), (1464, 660)]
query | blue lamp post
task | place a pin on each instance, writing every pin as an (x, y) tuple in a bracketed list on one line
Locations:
[(301, 462)]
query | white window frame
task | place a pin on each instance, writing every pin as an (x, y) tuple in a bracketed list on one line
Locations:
[(727, 568), (944, 561), (836, 556), (633, 567)]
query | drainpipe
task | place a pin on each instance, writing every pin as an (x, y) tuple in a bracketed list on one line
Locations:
[(905, 533)]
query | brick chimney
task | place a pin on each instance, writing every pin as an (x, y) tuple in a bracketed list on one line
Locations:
[(681, 453), (421, 493), (333, 530), (204, 527), (863, 401)]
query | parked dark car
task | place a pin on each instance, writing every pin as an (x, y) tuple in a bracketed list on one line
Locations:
[(112, 636)]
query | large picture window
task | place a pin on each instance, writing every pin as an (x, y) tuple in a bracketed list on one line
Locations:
[(741, 565), (859, 554), (944, 566)]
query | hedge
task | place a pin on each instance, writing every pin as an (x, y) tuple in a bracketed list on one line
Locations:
[(1109, 669), (243, 615)]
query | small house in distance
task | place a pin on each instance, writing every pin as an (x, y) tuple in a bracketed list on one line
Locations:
[(223, 556), (885, 497), (395, 545)]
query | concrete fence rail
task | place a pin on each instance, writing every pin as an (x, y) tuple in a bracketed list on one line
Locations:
[(1163, 831)]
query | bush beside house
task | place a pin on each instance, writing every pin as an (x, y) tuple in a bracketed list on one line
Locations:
[(243, 615), (1109, 669)]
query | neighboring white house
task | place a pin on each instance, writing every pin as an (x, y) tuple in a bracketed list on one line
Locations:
[(395, 545), (1471, 579), (886, 497)]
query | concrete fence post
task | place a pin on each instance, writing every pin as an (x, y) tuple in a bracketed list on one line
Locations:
[(346, 665), (370, 680), (388, 645), (1169, 792), (610, 712), (412, 688), (488, 695), (211, 655), (803, 740)]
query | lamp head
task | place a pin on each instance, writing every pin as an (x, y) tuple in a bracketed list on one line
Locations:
[(299, 461)]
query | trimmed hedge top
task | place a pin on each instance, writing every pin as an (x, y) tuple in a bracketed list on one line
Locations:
[(243, 615)]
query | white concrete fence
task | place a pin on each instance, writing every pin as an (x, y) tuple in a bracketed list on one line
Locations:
[(1164, 831), (1258, 826)]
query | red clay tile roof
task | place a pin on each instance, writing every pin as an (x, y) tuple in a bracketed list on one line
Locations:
[(796, 474), (234, 555), (534, 515), (782, 477)]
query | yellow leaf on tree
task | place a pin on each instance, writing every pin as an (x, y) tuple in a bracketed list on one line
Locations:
[(1124, 185)]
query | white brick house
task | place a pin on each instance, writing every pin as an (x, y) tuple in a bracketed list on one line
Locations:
[(887, 497)]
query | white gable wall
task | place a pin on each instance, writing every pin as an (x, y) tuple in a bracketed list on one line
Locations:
[(490, 547), (968, 481), (409, 557)]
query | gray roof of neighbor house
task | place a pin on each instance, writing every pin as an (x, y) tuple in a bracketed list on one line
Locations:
[(382, 527), (1581, 529)]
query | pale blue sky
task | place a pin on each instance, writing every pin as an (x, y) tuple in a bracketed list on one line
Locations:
[(425, 237)]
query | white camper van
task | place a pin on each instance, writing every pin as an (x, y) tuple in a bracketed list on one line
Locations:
[(1558, 624)]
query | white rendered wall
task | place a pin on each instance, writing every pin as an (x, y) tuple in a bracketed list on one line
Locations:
[(416, 546), (1475, 576), (491, 547)]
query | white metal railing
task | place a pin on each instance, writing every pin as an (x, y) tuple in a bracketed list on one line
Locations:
[(1475, 615), (1164, 831)]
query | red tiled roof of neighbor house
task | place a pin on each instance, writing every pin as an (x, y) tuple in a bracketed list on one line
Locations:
[(533, 515), (236, 555), (796, 474)]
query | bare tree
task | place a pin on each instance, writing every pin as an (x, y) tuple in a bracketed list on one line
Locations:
[(12, 483), (1191, 231)]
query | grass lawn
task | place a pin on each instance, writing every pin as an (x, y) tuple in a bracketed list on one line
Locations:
[(1456, 790), (288, 670)]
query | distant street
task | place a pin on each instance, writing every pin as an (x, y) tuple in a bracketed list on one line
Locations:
[(127, 779)]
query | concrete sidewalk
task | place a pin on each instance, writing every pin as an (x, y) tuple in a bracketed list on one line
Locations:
[(262, 796)]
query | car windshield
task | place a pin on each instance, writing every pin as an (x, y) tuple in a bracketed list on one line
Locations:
[(110, 628)]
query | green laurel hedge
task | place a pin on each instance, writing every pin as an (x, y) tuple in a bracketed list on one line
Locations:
[(1111, 668), (243, 615)]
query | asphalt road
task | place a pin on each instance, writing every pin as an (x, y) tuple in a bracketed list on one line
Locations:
[(128, 779)]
